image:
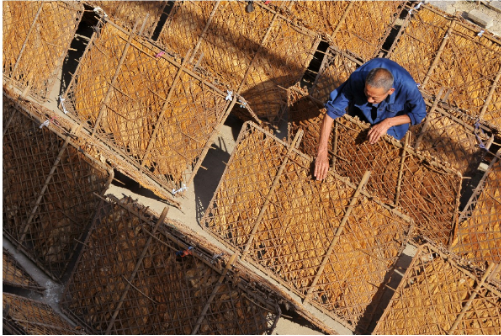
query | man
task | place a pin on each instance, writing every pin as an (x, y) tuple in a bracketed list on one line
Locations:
[(381, 93)]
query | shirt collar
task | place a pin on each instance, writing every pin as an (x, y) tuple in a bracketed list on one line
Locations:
[(391, 98)]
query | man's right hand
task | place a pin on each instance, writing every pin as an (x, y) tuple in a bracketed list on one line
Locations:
[(321, 166)]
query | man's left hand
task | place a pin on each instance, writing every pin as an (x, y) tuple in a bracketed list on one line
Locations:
[(378, 130)]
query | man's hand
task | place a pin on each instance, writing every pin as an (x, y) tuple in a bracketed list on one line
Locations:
[(321, 166), (378, 130)]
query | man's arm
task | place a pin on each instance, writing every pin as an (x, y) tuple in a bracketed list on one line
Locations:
[(322, 160), (380, 129), (336, 107)]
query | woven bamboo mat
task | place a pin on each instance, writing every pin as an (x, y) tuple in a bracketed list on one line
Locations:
[(432, 299), (479, 233), (36, 38)]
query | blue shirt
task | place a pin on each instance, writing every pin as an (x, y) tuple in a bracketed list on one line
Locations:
[(405, 100)]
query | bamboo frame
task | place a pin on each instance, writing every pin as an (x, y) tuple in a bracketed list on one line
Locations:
[(295, 143), (339, 230), (206, 310), (161, 220), (427, 121), (401, 170), (236, 223)]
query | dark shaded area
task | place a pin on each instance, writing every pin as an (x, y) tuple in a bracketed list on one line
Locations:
[(392, 36), (77, 47), (386, 292), (123, 181), (163, 18), (290, 314), (314, 67), (206, 180)]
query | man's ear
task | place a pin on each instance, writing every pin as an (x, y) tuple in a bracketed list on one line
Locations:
[(390, 91)]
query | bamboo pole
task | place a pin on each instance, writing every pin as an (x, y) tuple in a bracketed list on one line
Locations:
[(200, 39), (436, 60), (345, 14), (491, 94), (213, 294), (165, 107), (339, 230), (134, 272), (26, 40), (113, 80), (427, 122), (295, 143), (401, 170), (27, 225), (470, 300)]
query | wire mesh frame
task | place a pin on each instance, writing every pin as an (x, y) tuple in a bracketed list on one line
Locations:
[(257, 53), (478, 236), (293, 257), (15, 275), (172, 289), (172, 117), (48, 189), (415, 182), (26, 316), (37, 35), (437, 49), (438, 296)]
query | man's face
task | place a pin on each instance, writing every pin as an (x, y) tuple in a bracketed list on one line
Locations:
[(376, 95)]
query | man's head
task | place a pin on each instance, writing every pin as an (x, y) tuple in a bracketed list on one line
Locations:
[(378, 85)]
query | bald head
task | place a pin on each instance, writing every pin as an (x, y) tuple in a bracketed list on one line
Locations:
[(380, 78)]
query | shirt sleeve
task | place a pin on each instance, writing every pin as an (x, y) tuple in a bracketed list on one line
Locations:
[(339, 99), (416, 106)]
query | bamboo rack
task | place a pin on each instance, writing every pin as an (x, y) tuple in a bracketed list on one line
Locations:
[(436, 296), (36, 37), (127, 13), (429, 190), (478, 236), (48, 189), (440, 50), (299, 223), (152, 109), (257, 52), (360, 27), (29, 317), (138, 277)]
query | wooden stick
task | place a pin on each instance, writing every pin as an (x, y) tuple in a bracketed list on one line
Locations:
[(113, 80), (491, 93), (213, 295), (27, 225), (164, 108), (133, 275), (207, 25), (345, 14), (339, 230), (26, 40), (295, 143), (427, 121), (436, 60), (401, 170), (470, 300)]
